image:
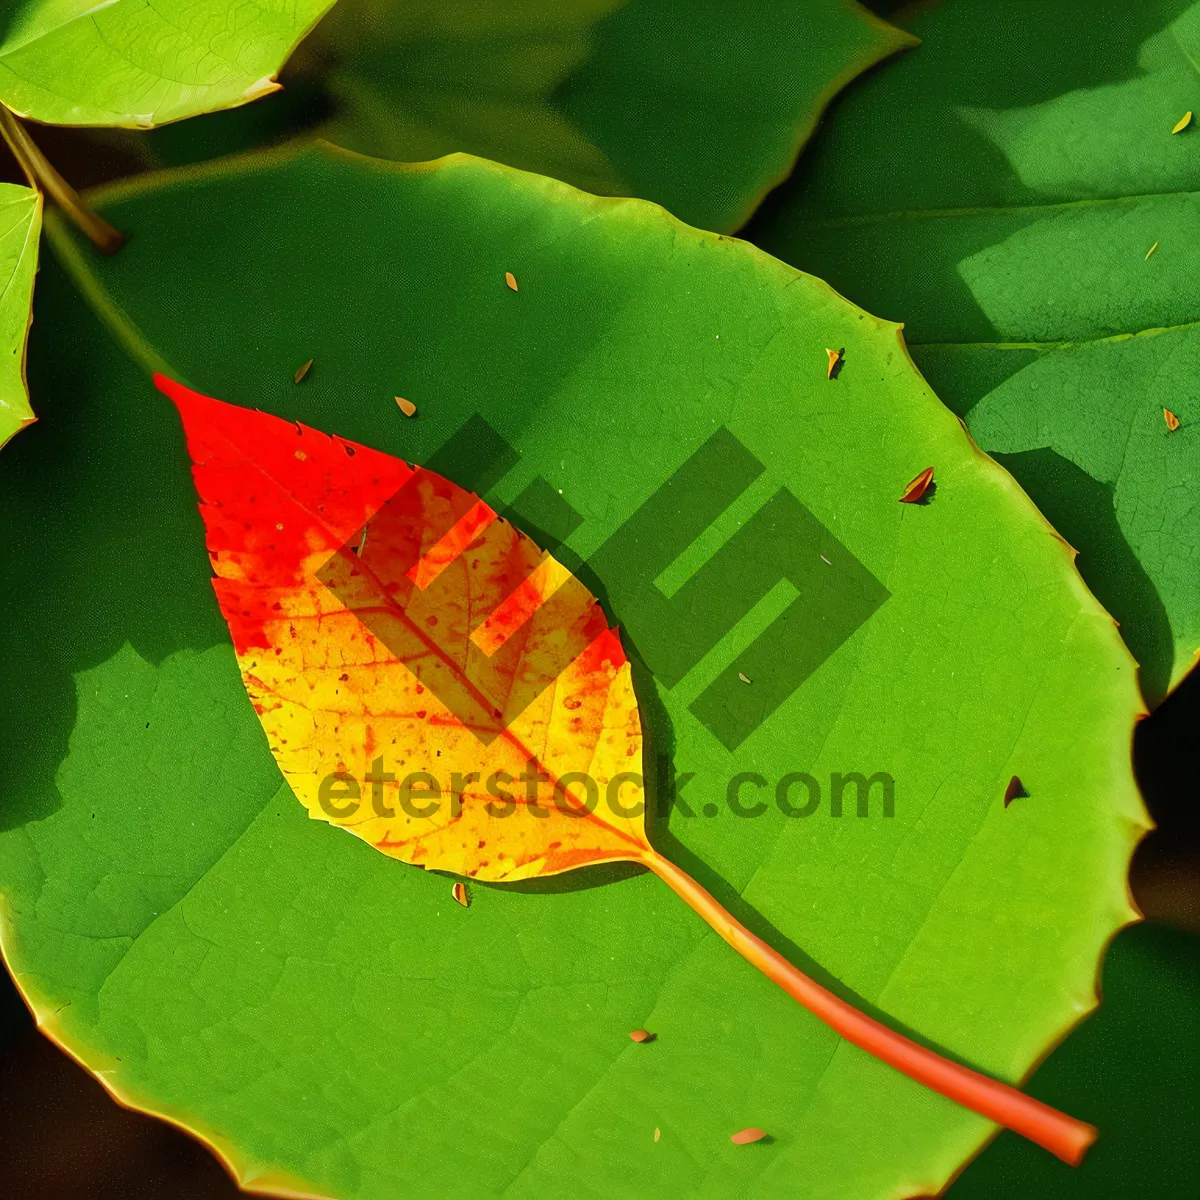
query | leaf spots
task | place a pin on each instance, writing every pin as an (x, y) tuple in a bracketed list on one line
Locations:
[(1014, 791), (914, 493), (745, 1136)]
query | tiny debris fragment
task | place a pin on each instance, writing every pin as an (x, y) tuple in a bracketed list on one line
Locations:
[(407, 407), (459, 891), (745, 1136), (1171, 419), (1151, 251), (1183, 122), (511, 280), (826, 561), (1014, 791), (302, 371), (836, 358), (743, 677), (640, 1035), (918, 487), (657, 1133)]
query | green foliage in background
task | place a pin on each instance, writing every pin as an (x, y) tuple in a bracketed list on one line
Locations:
[(998, 190)]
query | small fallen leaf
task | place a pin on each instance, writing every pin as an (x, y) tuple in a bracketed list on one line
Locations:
[(835, 362), (743, 677), (1171, 419), (1014, 791), (657, 1133), (918, 487), (301, 371), (407, 407), (641, 1035), (1183, 122), (459, 892), (745, 1136), (511, 280), (1151, 251)]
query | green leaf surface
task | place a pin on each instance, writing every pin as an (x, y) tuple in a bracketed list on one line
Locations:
[(702, 109), (20, 227), (131, 63), (1030, 167), (331, 1018)]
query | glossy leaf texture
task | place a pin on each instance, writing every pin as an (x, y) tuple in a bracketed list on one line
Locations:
[(135, 64), (20, 228), (651, 407), (1030, 170), (700, 108), (387, 618)]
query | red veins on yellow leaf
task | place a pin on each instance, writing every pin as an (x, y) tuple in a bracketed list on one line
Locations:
[(387, 623)]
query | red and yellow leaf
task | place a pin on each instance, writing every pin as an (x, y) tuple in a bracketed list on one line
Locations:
[(388, 625)]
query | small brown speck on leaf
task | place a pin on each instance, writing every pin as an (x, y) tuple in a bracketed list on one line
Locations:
[(278, 526), (835, 362), (407, 407), (1171, 419), (640, 1035), (1183, 122), (743, 677), (745, 1136), (301, 456), (302, 371), (1151, 251), (1014, 791), (657, 1133), (511, 280), (459, 891), (918, 487)]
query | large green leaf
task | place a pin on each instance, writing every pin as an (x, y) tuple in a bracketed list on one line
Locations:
[(1029, 166), (20, 226), (702, 109), (327, 1016), (128, 62)]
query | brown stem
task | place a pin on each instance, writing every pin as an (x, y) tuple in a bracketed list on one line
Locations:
[(1060, 1134), (42, 175)]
